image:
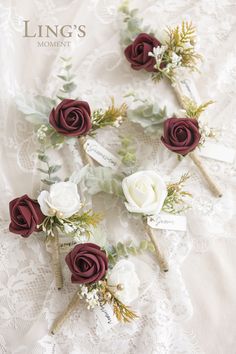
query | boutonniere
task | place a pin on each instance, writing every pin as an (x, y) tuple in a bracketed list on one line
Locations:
[(166, 58), (58, 209), (144, 193), (182, 135), (102, 284), (64, 119), (144, 50)]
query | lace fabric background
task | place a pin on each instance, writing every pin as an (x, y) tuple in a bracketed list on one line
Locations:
[(202, 260)]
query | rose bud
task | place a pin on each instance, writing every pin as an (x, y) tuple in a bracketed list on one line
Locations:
[(87, 263), (181, 135), (25, 215), (71, 118), (145, 192), (137, 52)]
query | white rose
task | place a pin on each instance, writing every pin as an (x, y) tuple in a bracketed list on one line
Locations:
[(145, 192), (124, 282), (62, 200)]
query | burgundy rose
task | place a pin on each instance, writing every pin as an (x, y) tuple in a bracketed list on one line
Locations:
[(71, 118), (137, 52), (181, 135), (25, 215), (87, 263)]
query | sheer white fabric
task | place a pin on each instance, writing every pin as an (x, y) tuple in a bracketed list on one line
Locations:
[(29, 301)]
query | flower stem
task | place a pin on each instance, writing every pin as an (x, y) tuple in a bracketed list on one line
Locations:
[(195, 158), (54, 239), (212, 185), (66, 314), (160, 257)]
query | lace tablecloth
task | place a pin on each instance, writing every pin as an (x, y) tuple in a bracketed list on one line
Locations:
[(190, 310)]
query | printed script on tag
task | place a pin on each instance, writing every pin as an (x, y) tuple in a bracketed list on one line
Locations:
[(100, 154), (217, 151), (105, 316), (168, 222)]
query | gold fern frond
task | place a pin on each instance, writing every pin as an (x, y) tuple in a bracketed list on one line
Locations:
[(192, 109), (110, 116), (88, 218), (122, 312)]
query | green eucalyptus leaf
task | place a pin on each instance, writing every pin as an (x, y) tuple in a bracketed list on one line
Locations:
[(103, 179), (57, 139), (150, 116), (36, 109), (68, 67), (50, 181), (62, 77), (65, 59), (143, 245), (54, 168), (70, 86), (43, 158), (42, 170)]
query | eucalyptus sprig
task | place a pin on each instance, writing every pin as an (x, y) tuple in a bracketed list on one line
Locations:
[(123, 250), (127, 151), (49, 170), (67, 77), (175, 202)]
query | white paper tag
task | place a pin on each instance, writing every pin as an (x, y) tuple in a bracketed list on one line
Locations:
[(188, 88), (168, 222), (100, 154), (105, 317), (217, 151)]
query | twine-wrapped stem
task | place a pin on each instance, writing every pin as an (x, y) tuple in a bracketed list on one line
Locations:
[(54, 239), (160, 257), (195, 158), (211, 183), (66, 314)]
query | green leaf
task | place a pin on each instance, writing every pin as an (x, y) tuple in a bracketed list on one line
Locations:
[(36, 109), (103, 179), (65, 59), (43, 158), (42, 170), (120, 249), (51, 181), (57, 139), (143, 245), (47, 181), (68, 67), (69, 87), (62, 77), (61, 97), (151, 247), (149, 115), (54, 169)]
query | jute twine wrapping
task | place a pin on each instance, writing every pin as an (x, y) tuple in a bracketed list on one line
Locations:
[(211, 183), (56, 259), (196, 159), (160, 257), (66, 314)]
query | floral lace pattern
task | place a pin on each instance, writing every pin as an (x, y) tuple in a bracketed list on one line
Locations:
[(29, 300)]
